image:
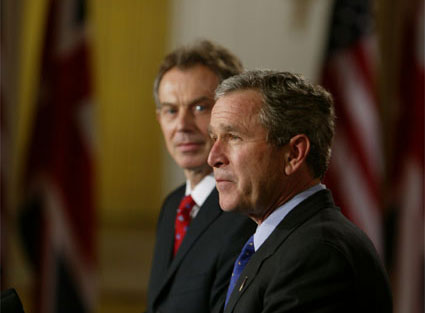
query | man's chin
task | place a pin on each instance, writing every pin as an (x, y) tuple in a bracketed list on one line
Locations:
[(193, 165), (232, 206), (227, 206)]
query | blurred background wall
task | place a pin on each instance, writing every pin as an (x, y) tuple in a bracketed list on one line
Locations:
[(130, 171)]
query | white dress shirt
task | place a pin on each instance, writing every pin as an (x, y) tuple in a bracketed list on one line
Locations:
[(200, 193)]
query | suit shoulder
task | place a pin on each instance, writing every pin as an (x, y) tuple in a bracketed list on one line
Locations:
[(330, 228), (171, 201), (176, 194)]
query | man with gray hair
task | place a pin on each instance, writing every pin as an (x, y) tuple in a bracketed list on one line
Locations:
[(196, 242), (272, 134)]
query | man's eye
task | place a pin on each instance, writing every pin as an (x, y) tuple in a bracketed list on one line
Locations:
[(213, 137), (234, 137), (200, 108), (169, 110)]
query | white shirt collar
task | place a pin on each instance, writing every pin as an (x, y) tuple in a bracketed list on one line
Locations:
[(265, 229), (201, 192)]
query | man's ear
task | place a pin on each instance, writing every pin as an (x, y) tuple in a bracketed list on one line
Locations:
[(296, 155)]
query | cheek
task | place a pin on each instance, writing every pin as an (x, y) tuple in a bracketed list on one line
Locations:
[(245, 167), (202, 123), (253, 169), (167, 128)]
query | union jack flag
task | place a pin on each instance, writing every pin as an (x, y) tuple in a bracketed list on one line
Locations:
[(58, 214)]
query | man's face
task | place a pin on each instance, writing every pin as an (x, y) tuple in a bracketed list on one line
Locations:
[(186, 98), (249, 171)]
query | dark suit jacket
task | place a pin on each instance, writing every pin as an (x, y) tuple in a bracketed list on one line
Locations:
[(314, 261), (10, 302), (197, 278)]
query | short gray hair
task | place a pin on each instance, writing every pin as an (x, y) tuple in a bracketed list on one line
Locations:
[(291, 106), (204, 52)]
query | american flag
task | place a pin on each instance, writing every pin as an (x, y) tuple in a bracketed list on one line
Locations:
[(58, 214), (356, 167)]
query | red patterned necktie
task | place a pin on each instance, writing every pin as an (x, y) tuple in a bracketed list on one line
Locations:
[(182, 221)]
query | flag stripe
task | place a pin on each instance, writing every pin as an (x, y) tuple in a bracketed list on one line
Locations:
[(360, 203), (364, 56), (360, 113), (359, 131), (356, 166)]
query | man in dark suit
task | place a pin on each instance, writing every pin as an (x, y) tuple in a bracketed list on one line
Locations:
[(272, 135), (196, 242)]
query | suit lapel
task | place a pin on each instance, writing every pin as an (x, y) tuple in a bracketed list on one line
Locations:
[(302, 212), (208, 213), (167, 233), (165, 240)]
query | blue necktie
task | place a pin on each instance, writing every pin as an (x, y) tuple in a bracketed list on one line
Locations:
[(240, 263)]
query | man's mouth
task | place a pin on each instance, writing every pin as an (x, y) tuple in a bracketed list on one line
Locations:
[(223, 185), (223, 181), (189, 146)]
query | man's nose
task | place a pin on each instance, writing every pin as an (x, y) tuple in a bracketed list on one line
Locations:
[(217, 157), (185, 120)]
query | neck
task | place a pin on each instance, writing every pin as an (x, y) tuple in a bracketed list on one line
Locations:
[(285, 197), (194, 176)]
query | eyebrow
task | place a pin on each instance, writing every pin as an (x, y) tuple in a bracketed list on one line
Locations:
[(225, 128), (191, 103)]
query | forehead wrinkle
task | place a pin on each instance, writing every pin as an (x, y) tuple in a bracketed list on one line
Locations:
[(237, 111), (221, 127), (235, 125), (231, 128), (227, 128)]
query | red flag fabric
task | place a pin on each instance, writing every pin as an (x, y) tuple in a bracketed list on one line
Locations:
[(58, 216), (408, 176), (356, 167)]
